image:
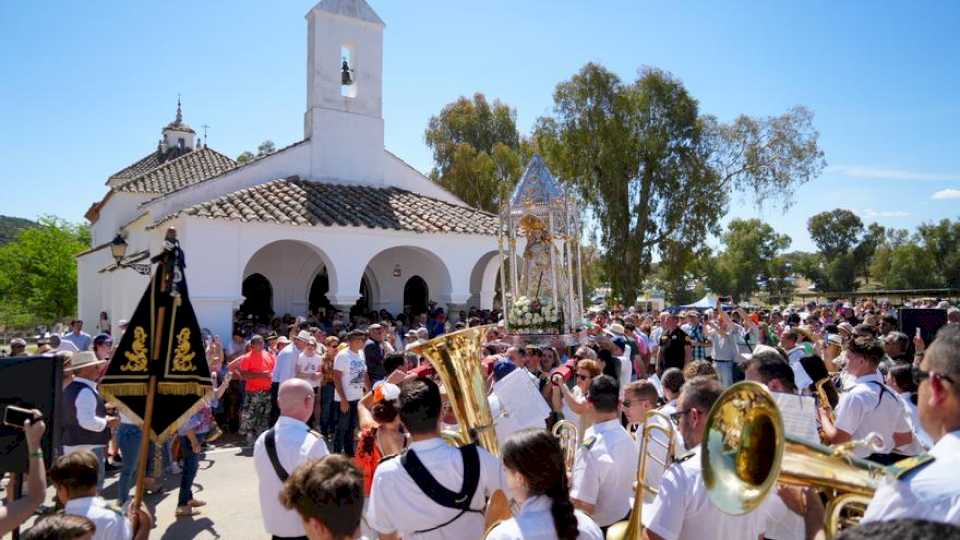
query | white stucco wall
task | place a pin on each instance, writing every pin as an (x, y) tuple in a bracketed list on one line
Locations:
[(119, 209), (218, 253)]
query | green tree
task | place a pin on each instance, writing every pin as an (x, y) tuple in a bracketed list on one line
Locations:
[(651, 168), (750, 249), (864, 251), (265, 148), (942, 241), (780, 280), (835, 232), (908, 266), (477, 151), (679, 270), (38, 273)]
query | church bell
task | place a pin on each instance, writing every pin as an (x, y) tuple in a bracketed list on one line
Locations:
[(346, 74)]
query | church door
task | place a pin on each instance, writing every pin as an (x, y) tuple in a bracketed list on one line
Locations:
[(258, 297), (415, 296)]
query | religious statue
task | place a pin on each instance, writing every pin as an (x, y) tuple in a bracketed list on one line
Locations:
[(537, 276)]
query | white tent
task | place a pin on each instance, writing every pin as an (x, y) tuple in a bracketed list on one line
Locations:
[(707, 302)]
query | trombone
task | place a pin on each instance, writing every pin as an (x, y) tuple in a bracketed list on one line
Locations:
[(568, 434), (653, 423), (745, 451)]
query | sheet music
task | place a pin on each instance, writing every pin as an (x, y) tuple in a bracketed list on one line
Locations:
[(799, 416)]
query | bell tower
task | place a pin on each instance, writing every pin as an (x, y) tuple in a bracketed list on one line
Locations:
[(344, 118)]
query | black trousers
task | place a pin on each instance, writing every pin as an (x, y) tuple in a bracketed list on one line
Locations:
[(274, 407)]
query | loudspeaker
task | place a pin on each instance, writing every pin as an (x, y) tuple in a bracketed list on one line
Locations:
[(926, 319), (32, 382)]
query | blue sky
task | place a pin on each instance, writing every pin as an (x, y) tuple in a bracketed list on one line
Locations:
[(86, 86)]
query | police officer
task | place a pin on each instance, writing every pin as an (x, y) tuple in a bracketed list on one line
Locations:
[(682, 510), (926, 487), (432, 490), (606, 463), (868, 407)]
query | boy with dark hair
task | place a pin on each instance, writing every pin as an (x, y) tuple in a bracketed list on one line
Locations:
[(61, 527), (328, 495), (414, 493), (75, 478)]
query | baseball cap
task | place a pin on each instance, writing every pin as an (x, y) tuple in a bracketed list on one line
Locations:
[(503, 368)]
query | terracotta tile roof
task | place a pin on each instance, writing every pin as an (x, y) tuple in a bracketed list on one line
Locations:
[(187, 169), (299, 202), (148, 163)]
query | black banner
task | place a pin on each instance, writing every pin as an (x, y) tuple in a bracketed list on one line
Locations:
[(162, 339)]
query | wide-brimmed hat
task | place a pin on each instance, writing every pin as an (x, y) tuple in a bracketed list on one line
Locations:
[(304, 335), (615, 329), (84, 359)]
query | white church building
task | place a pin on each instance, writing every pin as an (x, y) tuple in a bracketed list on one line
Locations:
[(332, 220)]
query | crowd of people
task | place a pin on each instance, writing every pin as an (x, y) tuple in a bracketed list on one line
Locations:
[(352, 432)]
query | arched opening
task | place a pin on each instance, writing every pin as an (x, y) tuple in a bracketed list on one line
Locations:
[(416, 295), (317, 299), (362, 307), (258, 298)]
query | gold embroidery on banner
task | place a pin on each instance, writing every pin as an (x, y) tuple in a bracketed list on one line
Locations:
[(137, 355), (183, 359)]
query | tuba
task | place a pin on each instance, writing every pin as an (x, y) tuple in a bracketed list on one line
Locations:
[(626, 530), (458, 360), (568, 434), (745, 452)]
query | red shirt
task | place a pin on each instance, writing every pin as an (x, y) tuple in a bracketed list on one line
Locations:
[(261, 362)]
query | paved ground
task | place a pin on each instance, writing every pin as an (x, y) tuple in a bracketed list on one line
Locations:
[(227, 482)]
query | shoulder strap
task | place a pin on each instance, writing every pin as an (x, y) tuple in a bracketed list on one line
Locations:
[(437, 492), (270, 443), (883, 390)]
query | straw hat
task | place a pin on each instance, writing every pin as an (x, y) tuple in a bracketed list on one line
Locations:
[(84, 359)]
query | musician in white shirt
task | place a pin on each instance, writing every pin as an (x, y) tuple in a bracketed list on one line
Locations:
[(869, 407), (537, 482), (640, 398), (929, 489), (293, 444), (682, 509)]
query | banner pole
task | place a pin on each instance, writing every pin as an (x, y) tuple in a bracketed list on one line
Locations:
[(144, 451)]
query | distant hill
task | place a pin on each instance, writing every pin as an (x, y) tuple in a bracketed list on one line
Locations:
[(10, 226)]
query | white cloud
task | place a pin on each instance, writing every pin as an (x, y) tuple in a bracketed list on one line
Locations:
[(871, 213), (947, 194), (876, 173)]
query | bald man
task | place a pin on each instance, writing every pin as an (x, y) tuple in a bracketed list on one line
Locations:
[(280, 450)]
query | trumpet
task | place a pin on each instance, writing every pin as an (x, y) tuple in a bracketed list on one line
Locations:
[(624, 530), (568, 434), (746, 451)]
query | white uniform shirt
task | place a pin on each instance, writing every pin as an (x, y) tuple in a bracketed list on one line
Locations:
[(111, 524), (295, 445), (568, 413), (683, 511), (931, 492), (669, 408), (603, 474), (286, 365), (534, 522), (800, 377), (397, 505), (86, 405), (921, 441), (861, 411)]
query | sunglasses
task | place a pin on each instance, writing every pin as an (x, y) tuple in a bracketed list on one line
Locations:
[(675, 417), (920, 375), (582, 377)]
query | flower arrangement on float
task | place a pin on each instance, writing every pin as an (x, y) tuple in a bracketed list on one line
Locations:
[(533, 316)]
